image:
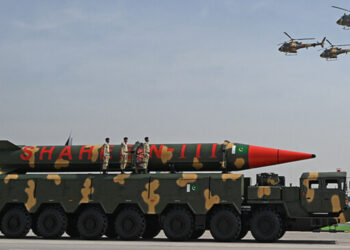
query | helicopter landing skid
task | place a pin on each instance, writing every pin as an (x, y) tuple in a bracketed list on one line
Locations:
[(331, 59), (291, 54)]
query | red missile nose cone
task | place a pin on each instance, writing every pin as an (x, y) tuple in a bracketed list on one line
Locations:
[(260, 156)]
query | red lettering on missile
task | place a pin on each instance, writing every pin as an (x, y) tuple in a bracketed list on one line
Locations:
[(66, 151), (46, 151), (27, 153), (86, 150), (156, 151), (198, 151), (213, 151), (182, 155)]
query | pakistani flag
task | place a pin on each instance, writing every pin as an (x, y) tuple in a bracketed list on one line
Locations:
[(191, 188)]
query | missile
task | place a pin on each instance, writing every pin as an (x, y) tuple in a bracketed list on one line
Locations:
[(224, 156)]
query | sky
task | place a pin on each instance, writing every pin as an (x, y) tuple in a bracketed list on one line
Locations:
[(176, 71)]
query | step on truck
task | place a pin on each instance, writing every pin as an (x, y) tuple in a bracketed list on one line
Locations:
[(183, 205)]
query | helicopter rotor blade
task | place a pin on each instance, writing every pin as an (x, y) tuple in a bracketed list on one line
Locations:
[(304, 39), (329, 42), (341, 45), (341, 8), (288, 36)]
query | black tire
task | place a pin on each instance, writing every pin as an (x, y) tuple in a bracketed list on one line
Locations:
[(197, 234), (92, 223), (178, 224), (283, 231), (225, 225), (266, 225), (51, 223), (16, 222), (152, 228), (130, 224)]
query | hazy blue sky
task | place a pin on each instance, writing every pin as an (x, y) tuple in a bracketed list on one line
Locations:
[(177, 71)]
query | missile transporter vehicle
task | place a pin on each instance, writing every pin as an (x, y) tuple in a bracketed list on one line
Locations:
[(183, 205), (40, 192)]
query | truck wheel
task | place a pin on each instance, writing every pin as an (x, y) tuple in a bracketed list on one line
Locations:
[(51, 223), (16, 222), (225, 225), (266, 225), (92, 224), (130, 224), (283, 231), (178, 224), (197, 234), (152, 228)]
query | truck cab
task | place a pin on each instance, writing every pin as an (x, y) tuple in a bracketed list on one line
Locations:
[(323, 192)]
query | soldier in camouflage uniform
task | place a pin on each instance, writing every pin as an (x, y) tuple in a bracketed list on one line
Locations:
[(124, 154), (146, 151), (106, 156)]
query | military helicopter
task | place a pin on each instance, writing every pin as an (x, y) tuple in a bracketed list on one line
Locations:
[(293, 45), (331, 54), (345, 19)]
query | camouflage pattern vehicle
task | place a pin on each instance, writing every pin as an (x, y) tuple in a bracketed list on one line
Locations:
[(345, 19), (293, 44), (333, 51), (224, 156), (184, 205)]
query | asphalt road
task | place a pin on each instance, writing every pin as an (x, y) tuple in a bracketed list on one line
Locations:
[(291, 240)]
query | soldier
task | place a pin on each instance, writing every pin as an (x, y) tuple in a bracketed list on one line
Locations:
[(146, 151), (106, 156), (124, 154)]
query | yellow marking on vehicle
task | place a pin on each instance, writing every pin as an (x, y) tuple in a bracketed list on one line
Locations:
[(10, 177), (239, 163), (230, 177), (30, 192), (54, 177), (336, 207), (310, 193), (151, 198), (196, 163), (120, 178), (61, 163), (86, 191), (341, 218), (186, 179), (264, 190), (271, 181), (34, 149), (210, 199), (166, 155), (95, 150)]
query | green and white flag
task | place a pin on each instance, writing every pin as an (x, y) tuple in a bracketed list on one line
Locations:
[(191, 188)]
